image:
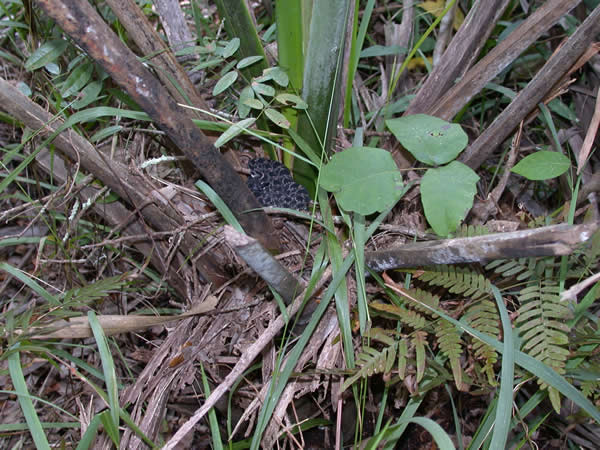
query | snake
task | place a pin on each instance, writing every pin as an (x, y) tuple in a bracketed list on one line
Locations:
[(272, 184)]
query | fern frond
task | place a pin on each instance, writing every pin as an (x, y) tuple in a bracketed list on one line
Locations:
[(521, 269), (402, 357), (371, 361), (419, 340), (406, 316), (483, 316), (591, 389), (543, 329), (458, 280), (424, 297), (472, 230), (451, 346)]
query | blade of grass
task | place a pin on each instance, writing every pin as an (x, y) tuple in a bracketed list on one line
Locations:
[(212, 416), (89, 437), (220, 205), (110, 376), (29, 282), (505, 398), (355, 49), (279, 384), (33, 421)]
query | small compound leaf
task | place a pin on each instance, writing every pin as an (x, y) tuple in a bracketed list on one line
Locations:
[(263, 89), (227, 80), (277, 118), (431, 140), (47, 53), (447, 195), (243, 109), (291, 100), (231, 47), (363, 179), (254, 103), (234, 130), (542, 165), (278, 75), (248, 61)]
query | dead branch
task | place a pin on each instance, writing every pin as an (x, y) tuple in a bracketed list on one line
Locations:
[(127, 185), (81, 21), (546, 241), (460, 54), (498, 58), (535, 91), (264, 264), (172, 75)]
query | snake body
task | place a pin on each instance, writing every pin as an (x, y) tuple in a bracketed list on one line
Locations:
[(272, 185)]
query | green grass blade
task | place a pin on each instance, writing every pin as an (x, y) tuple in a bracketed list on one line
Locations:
[(322, 71), (292, 27), (359, 252), (278, 384), (505, 396), (33, 421), (89, 437), (29, 282), (212, 416), (356, 47), (110, 376), (220, 205)]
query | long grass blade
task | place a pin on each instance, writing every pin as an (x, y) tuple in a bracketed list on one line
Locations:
[(31, 417)]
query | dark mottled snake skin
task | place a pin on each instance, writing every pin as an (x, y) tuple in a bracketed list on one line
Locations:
[(272, 185)]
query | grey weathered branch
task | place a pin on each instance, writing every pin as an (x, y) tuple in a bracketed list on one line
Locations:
[(264, 264), (84, 25), (128, 185), (553, 240), (535, 91), (460, 54)]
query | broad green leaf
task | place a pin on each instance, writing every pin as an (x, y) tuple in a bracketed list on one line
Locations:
[(46, 54), (231, 47), (431, 140), (88, 95), (78, 78), (277, 118), (227, 80), (291, 99), (234, 130), (542, 165), (447, 194), (363, 179), (248, 61)]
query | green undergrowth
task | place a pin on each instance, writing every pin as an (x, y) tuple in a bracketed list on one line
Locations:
[(498, 336)]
